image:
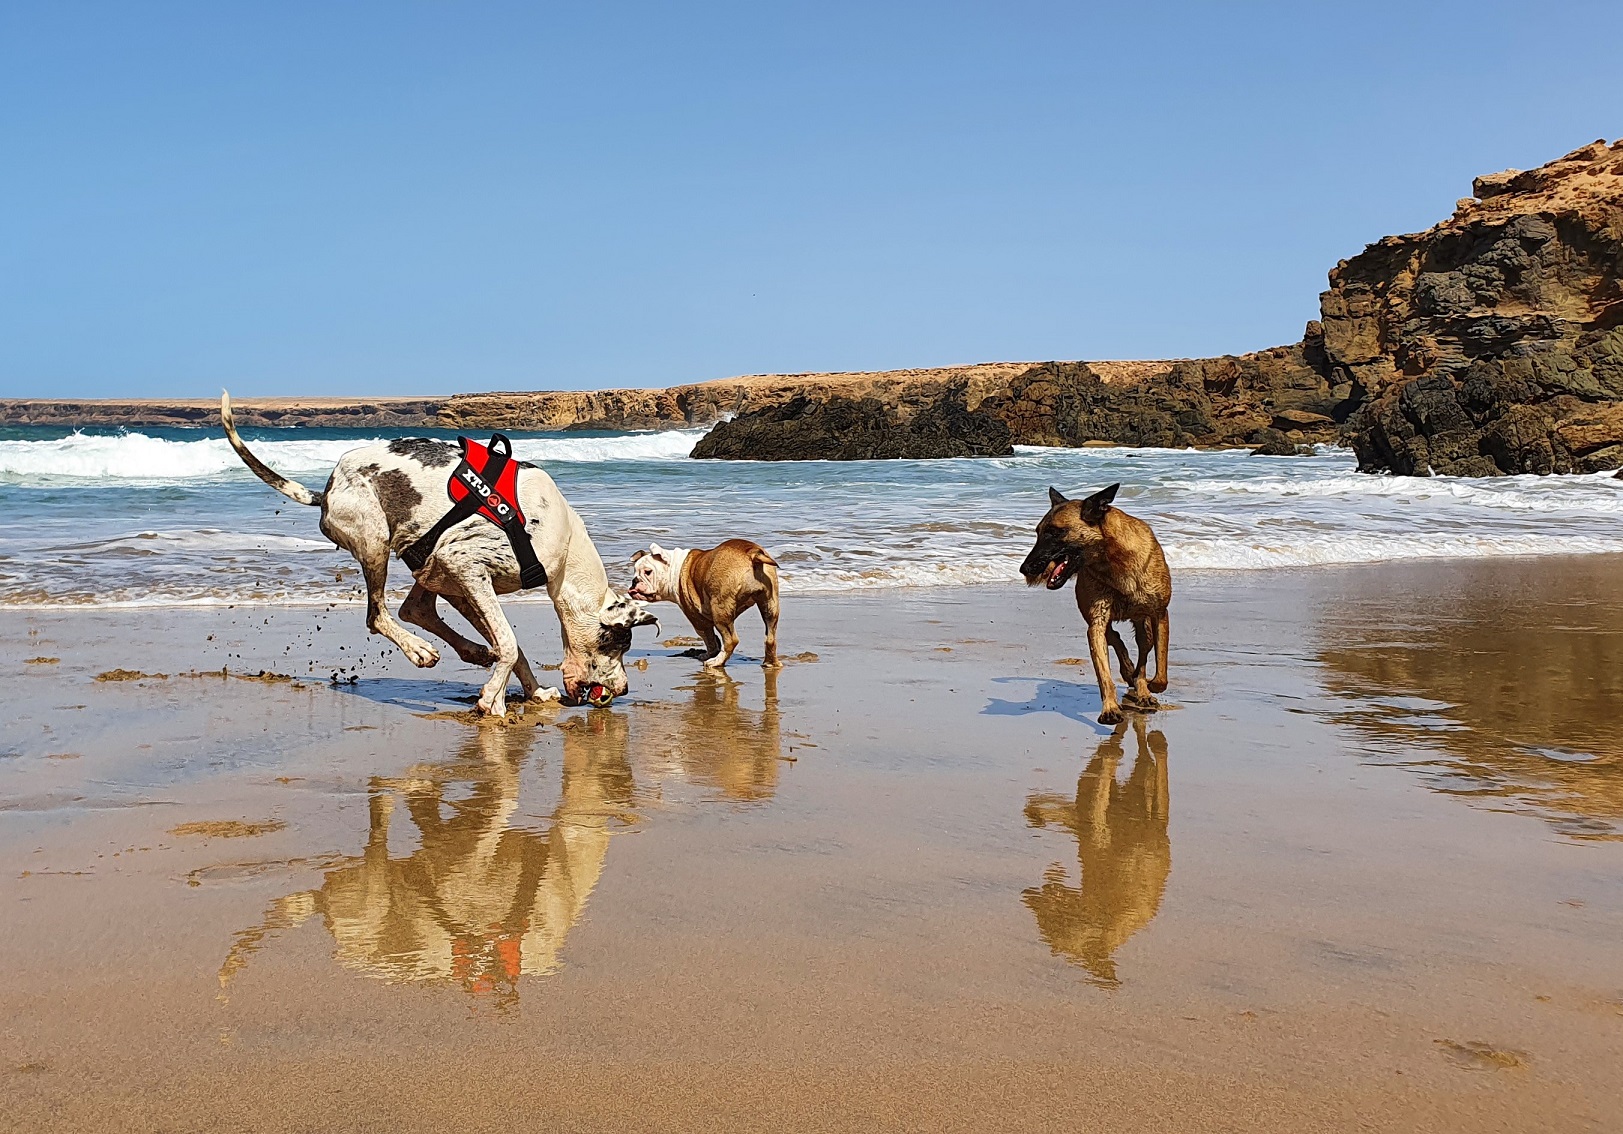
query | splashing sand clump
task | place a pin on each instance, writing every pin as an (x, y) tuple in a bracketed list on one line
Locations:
[(1481, 1056), (228, 828)]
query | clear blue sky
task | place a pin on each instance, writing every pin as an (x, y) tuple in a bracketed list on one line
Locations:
[(394, 198)]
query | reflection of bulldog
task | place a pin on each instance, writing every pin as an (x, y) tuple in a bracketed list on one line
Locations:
[(729, 747), (480, 902), (1121, 838)]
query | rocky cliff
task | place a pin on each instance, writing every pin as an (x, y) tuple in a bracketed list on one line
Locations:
[(1275, 397), (1493, 342), (339, 413)]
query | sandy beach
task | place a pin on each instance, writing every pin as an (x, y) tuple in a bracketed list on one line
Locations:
[(1359, 875)]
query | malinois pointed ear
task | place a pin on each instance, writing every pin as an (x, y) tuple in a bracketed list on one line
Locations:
[(1095, 506), (1055, 498)]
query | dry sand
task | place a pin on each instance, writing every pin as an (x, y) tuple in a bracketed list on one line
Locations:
[(1361, 874)]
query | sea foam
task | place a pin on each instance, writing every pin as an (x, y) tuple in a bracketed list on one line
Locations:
[(83, 458)]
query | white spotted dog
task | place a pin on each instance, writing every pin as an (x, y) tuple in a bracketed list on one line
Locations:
[(385, 497)]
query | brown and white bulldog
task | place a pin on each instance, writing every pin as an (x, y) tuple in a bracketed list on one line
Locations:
[(713, 588)]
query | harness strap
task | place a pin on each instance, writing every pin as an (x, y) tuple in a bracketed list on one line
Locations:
[(479, 484)]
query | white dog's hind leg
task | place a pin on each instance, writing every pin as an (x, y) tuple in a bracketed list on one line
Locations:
[(375, 567)]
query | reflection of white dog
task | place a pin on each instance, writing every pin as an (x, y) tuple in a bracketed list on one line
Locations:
[(487, 896), (713, 588)]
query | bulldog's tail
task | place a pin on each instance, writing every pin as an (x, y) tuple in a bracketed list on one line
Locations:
[(291, 489), (765, 568)]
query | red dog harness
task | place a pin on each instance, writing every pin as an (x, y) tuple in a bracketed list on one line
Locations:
[(485, 483)]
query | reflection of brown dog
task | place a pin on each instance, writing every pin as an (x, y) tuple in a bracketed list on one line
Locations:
[(1122, 845), (734, 749), (1121, 576), (713, 588)]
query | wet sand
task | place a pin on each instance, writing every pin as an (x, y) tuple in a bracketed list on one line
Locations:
[(1362, 873)]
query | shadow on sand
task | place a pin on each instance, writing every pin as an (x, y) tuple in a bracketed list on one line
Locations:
[(1070, 699)]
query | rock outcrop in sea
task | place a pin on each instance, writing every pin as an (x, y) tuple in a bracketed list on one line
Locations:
[(858, 429), (1272, 399), (1493, 342)]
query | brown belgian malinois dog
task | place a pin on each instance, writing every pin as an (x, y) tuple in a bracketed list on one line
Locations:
[(1121, 576)]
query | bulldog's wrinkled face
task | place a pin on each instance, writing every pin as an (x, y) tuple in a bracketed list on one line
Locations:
[(602, 660), (1070, 531), (653, 575)]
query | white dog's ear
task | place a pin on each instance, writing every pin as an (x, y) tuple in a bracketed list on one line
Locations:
[(623, 610), (645, 617), (637, 556)]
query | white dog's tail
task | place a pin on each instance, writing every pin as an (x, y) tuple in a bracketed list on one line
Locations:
[(291, 489)]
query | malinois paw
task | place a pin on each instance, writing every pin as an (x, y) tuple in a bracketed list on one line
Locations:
[(1110, 716), (1140, 704)]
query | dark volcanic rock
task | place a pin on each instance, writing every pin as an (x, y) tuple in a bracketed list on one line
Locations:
[(1492, 343), (1228, 401), (1277, 444), (1231, 401), (857, 429)]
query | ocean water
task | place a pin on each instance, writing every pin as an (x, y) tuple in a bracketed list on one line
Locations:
[(168, 517)]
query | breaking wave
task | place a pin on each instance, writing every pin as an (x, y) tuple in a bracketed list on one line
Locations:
[(177, 520), (83, 458)]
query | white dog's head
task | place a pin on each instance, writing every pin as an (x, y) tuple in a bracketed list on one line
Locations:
[(653, 575), (595, 655)]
